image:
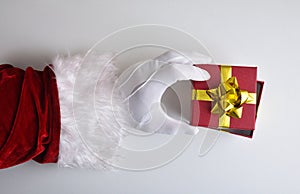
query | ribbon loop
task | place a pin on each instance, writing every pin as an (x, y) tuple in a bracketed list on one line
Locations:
[(228, 98)]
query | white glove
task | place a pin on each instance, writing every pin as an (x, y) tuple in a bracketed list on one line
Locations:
[(143, 85)]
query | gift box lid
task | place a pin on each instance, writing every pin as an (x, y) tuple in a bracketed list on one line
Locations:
[(228, 85)]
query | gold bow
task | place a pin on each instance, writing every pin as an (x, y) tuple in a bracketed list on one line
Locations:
[(227, 98)]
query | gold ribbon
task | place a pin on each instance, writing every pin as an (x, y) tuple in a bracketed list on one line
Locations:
[(227, 98)]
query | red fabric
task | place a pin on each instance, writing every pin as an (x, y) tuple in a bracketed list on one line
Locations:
[(29, 116)]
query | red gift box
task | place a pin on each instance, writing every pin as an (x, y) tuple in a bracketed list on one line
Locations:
[(228, 100)]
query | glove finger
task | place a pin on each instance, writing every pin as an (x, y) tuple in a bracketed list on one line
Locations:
[(185, 58), (157, 121), (170, 74), (140, 73)]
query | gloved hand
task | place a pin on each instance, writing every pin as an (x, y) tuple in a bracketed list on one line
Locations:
[(143, 85)]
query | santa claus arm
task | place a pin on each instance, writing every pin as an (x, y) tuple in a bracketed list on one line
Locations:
[(29, 116)]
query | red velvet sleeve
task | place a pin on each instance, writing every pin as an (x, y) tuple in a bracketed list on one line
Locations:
[(29, 116)]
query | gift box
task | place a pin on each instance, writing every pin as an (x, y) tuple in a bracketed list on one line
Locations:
[(229, 100)]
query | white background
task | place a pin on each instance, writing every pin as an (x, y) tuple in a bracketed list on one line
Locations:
[(266, 33)]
